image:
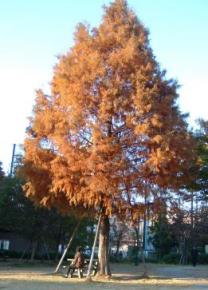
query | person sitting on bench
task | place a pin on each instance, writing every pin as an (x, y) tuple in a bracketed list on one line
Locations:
[(77, 263)]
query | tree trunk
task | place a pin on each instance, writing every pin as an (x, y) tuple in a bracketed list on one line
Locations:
[(33, 250), (117, 246), (24, 253), (137, 246), (45, 246), (103, 252)]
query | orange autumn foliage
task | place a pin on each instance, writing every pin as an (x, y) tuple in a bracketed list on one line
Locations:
[(111, 124)]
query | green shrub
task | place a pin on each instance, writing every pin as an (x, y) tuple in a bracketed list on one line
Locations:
[(172, 258), (202, 258)]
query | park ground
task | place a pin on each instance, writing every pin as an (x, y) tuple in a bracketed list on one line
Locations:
[(15, 276)]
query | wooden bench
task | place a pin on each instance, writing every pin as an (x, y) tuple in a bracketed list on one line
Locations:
[(84, 269)]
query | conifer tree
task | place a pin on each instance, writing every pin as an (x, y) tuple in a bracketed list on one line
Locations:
[(110, 128), (201, 181), (1, 171)]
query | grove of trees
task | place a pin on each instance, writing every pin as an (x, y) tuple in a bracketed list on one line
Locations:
[(43, 229)]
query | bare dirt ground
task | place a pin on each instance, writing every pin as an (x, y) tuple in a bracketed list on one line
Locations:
[(125, 276)]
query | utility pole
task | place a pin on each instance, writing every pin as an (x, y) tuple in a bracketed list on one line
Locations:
[(12, 162), (192, 210), (144, 224)]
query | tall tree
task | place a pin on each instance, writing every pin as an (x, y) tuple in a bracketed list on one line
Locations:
[(163, 239), (1, 171), (110, 128), (199, 187), (201, 136)]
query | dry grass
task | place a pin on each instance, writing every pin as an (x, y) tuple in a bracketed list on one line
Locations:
[(162, 277)]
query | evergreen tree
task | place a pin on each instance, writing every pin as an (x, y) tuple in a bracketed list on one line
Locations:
[(201, 136), (1, 171), (163, 239)]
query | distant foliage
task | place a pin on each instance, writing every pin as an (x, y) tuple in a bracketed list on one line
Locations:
[(1, 171), (18, 215), (201, 182), (163, 239)]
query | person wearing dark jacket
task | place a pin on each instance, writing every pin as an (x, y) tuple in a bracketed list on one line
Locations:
[(77, 263)]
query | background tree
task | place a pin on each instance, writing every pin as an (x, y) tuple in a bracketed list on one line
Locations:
[(44, 228), (201, 136), (118, 235), (111, 128), (199, 187), (163, 239), (1, 171), (194, 201)]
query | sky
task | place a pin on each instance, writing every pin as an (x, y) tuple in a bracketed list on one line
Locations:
[(34, 33)]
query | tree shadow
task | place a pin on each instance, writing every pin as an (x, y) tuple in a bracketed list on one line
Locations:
[(138, 277)]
